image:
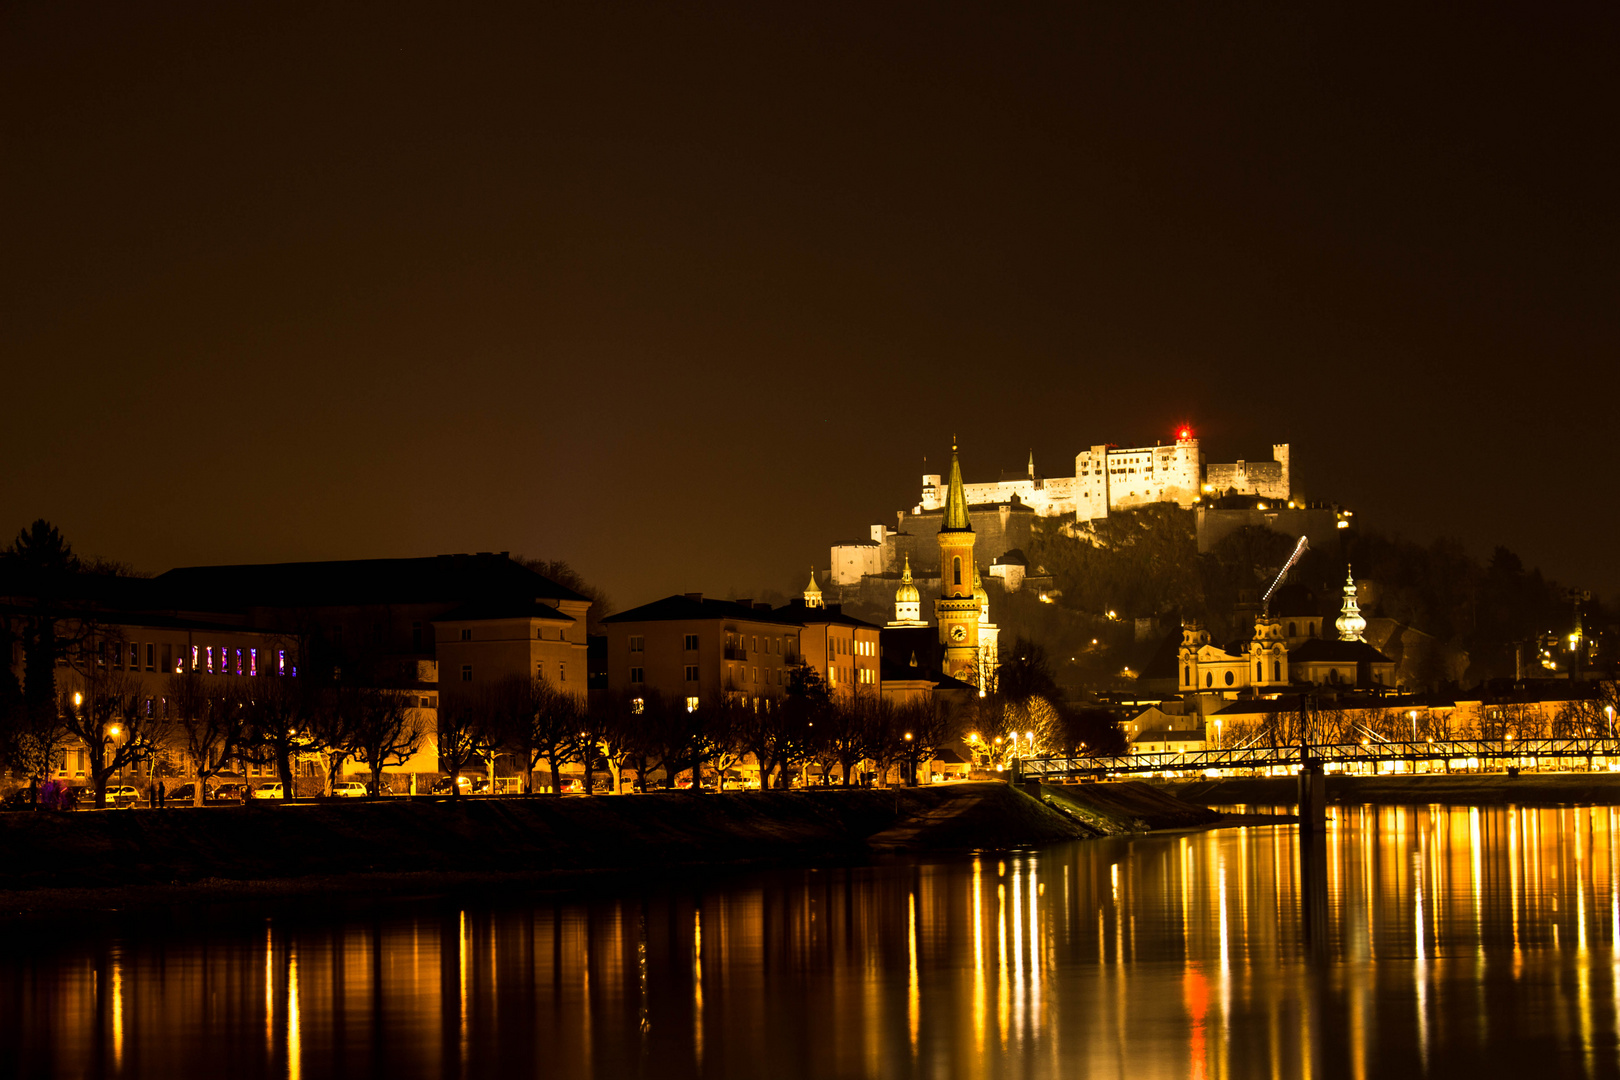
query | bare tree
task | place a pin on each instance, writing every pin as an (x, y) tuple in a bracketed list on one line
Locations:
[(116, 723), (208, 712), (546, 728), (385, 731), (279, 714), (468, 729)]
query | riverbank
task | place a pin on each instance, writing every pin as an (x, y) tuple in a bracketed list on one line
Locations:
[(1452, 789), (151, 858)]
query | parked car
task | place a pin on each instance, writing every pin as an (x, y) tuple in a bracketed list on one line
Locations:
[(271, 790), (184, 794), (230, 791), (123, 795), (21, 799), (470, 785), (350, 789)]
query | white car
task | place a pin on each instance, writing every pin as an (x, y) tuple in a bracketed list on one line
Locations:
[(123, 795), (349, 789), (268, 791)]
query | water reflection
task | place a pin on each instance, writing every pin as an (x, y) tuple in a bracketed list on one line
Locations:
[(1402, 940)]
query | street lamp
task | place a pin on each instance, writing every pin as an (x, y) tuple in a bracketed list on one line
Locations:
[(1610, 710), (1413, 715), (1217, 733)]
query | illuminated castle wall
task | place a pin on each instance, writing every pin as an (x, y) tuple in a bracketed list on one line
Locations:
[(1110, 478)]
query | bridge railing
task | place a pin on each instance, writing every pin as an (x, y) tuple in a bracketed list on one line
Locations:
[(1503, 751)]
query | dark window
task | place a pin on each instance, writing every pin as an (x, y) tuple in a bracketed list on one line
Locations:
[(466, 635), (1209, 678), (956, 571), (1230, 679), (635, 675), (1276, 671), (466, 673), (416, 637), (691, 673), (691, 643), (168, 658), (1259, 671)]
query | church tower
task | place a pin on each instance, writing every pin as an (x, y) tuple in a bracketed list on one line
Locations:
[(812, 592), (957, 609), (1350, 624), (907, 601)]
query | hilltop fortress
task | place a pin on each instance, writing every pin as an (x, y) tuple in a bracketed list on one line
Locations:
[(1106, 478), (1109, 478)]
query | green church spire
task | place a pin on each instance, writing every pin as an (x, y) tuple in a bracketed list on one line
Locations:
[(956, 512)]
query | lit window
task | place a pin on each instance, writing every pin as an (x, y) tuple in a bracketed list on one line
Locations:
[(691, 704), (636, 705), (253, 661), (281, 661)]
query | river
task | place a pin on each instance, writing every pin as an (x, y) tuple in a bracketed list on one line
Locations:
[(1408, 942)]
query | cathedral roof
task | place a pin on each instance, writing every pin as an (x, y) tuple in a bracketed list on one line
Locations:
[(1324, 650)]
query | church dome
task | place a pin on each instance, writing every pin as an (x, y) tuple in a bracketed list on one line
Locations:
[(907, 593)]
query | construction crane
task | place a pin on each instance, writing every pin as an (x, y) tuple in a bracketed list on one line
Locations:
[(1299, 549)]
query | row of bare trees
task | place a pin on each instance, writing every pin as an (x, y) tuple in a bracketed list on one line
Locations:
[(541, 729), (216, 723)]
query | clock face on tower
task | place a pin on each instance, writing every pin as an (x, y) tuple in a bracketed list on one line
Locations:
[(959, 633)]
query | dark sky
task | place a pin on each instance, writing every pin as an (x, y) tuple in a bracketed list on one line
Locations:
[(683, 296)]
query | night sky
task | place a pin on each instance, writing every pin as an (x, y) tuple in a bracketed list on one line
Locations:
[(682, 297)]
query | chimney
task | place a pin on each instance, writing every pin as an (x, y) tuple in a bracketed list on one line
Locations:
[(697, 596)]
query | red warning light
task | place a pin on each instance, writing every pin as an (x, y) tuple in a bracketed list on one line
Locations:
[(1184, 433)]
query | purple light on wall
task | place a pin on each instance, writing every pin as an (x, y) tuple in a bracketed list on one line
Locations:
[(253, 661)]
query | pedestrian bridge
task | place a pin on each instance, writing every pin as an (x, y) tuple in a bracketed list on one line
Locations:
[(1545, 755)]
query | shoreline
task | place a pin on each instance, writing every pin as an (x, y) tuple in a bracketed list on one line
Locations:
[(380, 852)]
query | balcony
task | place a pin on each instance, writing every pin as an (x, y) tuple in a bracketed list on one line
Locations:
[(736, 652)]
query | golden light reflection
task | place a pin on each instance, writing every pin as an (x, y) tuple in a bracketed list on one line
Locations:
[(295, 1029), (978, 955), (117, 1009), (913, 1001), (697, 988), (1001, 961), (1152, 968)]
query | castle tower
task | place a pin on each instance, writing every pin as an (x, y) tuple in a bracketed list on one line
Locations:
[(1350, 624), (957, 610), (812, 592), (907, 601), (1268, 653)]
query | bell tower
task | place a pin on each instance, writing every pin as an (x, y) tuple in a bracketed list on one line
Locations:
[(957, 609)]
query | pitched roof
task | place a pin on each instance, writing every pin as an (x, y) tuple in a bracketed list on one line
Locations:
[(504, 608), (354, 582), (696, 606), (1325, 650)]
